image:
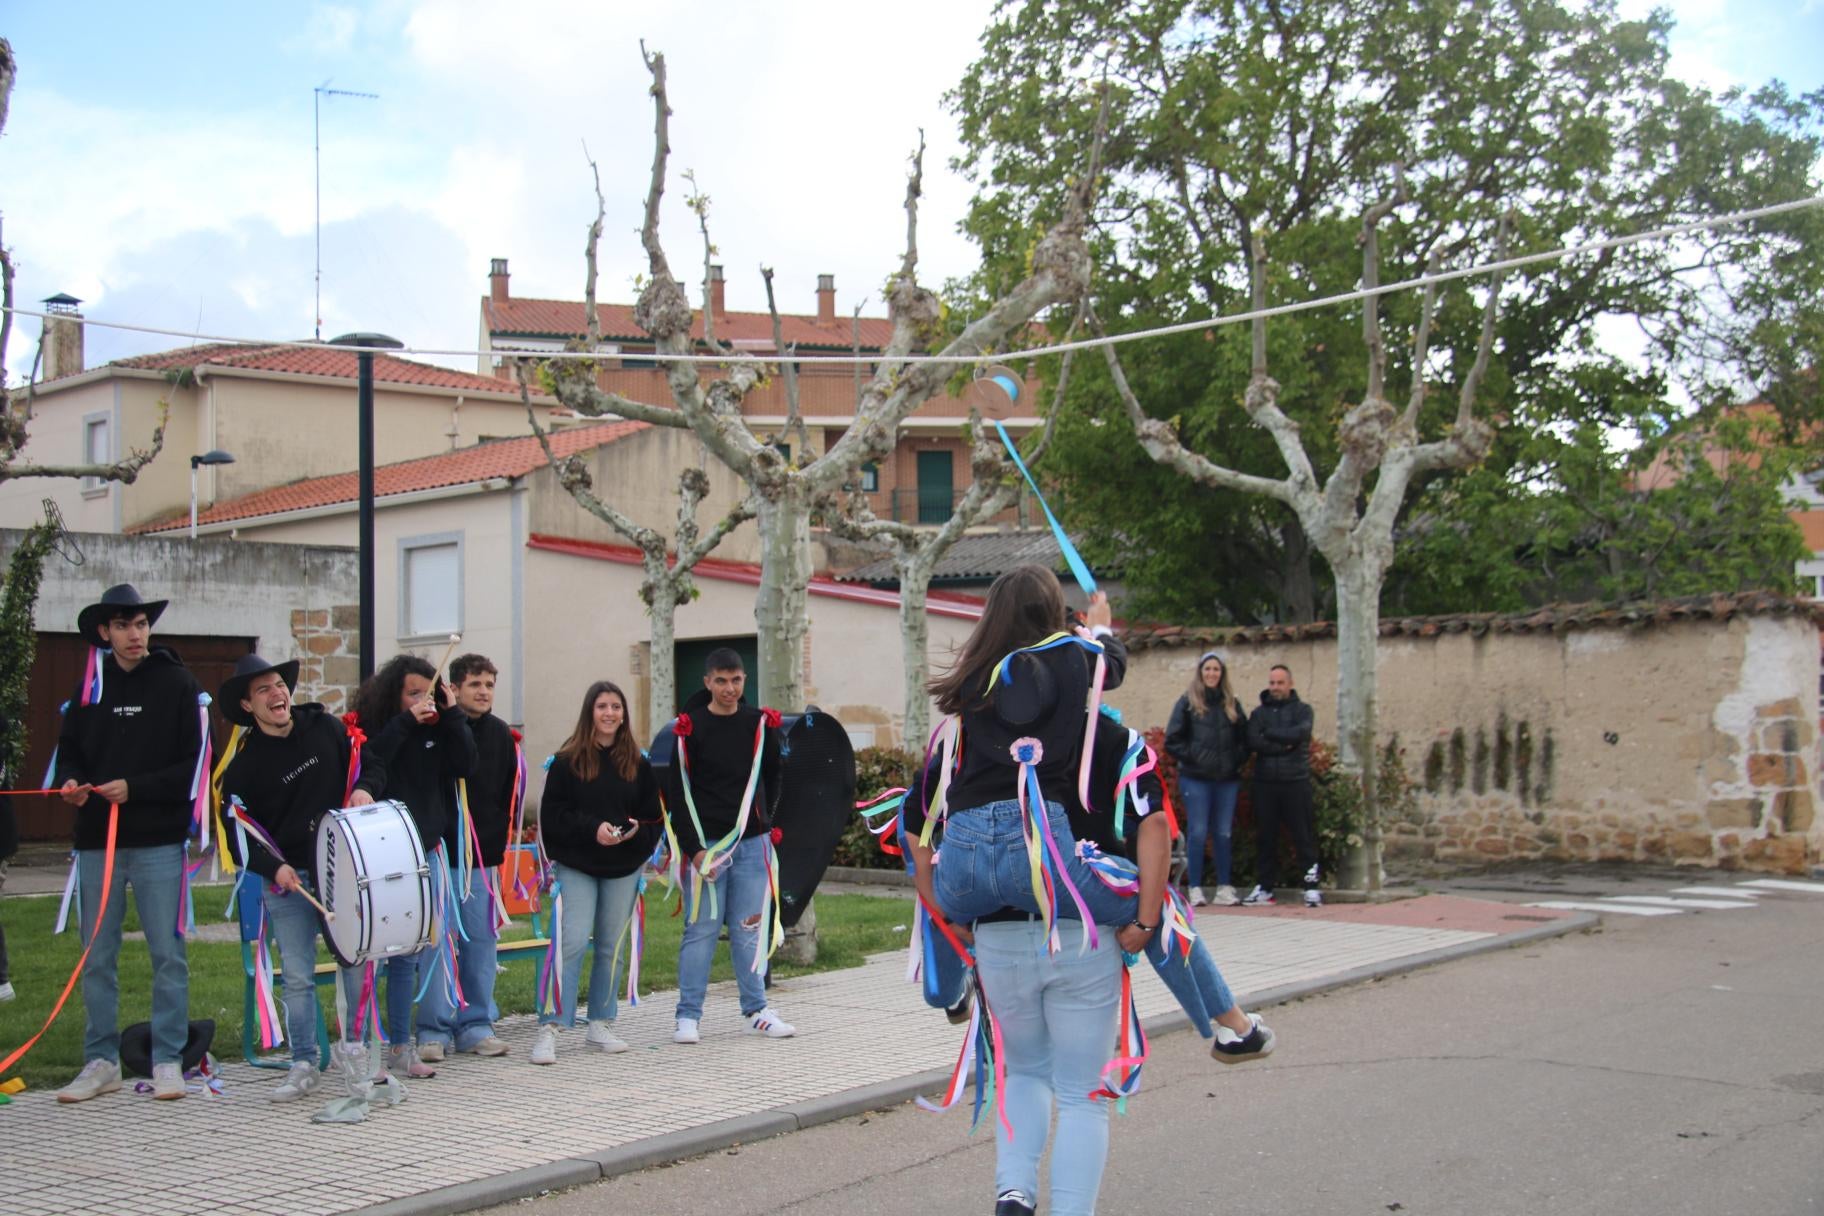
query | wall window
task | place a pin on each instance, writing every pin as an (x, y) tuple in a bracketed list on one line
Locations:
[(870, 477), (97, 448), (430, 585)]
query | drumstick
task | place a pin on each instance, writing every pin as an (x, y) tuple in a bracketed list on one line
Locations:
[(454, 638), (312, 901)]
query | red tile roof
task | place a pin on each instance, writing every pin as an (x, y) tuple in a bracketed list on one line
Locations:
[(496, 458), (313, 361), (564, 319), (937, 603)]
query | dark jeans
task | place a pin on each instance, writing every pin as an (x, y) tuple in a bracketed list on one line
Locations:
[(1287, 802)]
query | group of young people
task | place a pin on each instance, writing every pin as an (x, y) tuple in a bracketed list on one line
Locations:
[(131, 761)]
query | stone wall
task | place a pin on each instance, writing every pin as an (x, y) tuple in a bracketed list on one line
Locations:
[(1684, 732), (328, 642)]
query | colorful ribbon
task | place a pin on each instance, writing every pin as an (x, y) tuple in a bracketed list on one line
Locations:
[(1072, 558)]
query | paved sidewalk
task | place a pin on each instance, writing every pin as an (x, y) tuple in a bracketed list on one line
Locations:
[(484, 1131)]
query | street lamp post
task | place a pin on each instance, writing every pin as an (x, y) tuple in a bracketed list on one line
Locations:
[(364, 358), (216, 456)]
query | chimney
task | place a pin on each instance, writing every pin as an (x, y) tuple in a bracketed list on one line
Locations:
[(62, 337), (826, 299), (718, 299), (497, 281)]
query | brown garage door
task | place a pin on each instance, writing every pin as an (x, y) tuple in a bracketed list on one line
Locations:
[(56, 673)]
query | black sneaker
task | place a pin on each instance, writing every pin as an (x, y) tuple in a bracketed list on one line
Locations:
[(959, 1012), (1013, 1203), (1232, 1048)]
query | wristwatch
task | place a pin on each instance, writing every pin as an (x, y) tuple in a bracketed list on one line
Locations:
[(1143, 926)]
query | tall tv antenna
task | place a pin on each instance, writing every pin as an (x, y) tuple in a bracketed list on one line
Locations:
[(316, 121)]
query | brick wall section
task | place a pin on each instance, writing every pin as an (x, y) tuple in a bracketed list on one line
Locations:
[(328, 642)]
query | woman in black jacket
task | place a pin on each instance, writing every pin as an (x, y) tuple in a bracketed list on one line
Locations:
[(1208, 736), (599, 821)]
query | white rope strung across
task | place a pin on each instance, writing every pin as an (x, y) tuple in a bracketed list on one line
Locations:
[(1730, 220)]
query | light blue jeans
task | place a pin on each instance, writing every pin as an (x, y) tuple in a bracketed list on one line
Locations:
[(156, 875), (1057, 1014), (597, 908), (982, 868), (439, 1021), (1209, 811), (294, 925), (401, 974), (740, 892)]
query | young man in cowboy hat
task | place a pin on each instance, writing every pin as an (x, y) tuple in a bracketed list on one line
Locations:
[(133, 742), (291, 768)]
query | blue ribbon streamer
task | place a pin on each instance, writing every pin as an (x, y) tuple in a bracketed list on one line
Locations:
[(1072, 558)]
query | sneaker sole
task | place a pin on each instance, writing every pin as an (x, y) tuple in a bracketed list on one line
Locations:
[(1266, 1049), (613, 1049), (72, 1099)]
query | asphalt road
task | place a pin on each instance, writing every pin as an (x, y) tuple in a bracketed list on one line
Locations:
[(1657, 1066)]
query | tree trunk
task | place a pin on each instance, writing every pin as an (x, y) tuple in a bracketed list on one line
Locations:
[(1358, 628), (914, 637), (800, 944), (780, 608), (663, 663)]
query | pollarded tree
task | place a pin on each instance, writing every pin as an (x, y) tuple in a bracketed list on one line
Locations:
[(787, 491), (1242, 125)]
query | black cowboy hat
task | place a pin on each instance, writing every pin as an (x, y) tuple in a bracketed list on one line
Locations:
[(115, 600), (136, 1047), (235, 686)]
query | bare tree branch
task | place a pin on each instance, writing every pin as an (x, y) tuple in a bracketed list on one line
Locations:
[(125, 471), (591, 319), (1421, 349), (788, 365)]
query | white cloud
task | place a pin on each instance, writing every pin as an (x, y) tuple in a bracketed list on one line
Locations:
[(329, 29)]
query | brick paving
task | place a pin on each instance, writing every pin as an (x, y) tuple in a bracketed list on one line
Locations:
[(484, 1119)]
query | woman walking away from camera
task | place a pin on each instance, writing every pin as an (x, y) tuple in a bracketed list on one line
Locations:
[(600, 823), (1208, 737)]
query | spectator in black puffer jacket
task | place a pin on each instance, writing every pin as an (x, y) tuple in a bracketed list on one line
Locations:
[(1279, 734), (1208, 736)]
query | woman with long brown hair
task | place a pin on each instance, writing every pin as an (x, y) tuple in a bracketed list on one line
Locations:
[(599, 821), (1208, 736)]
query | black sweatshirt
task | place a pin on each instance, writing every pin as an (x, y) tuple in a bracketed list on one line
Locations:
[(490, 789), (1044, 698), (145, 730), (287, 783), (721, 753), (573, 809), (418, 765)]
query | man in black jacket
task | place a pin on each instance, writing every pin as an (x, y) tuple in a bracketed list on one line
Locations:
[(1279, 735), (131, 740), (442, 1027), (293, 766), (725, 886)]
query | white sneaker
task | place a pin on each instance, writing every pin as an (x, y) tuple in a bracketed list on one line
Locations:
[(686, 1032), (1197, 899), (430, 1051), (97, 1077), (769, 1023), (6, 992), (1226, 897), (544, 1047), (1312, 898), (301, 1080), (168, 1081), (601, 1036)]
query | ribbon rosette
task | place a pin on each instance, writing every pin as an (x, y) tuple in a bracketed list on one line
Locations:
[(681, 728), (777, 834), (772, 716), (1027, 750)]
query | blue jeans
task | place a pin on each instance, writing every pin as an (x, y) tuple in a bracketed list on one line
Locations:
[(1058, 1015), (982, 868), (1209, 810), (740, 891), (156, 874), (293, 923), (597, 908), (439, 1021), (401, 974)]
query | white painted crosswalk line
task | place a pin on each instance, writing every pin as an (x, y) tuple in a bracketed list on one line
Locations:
[(1783, 884), (1666, 901), (1578, 905), (1735, 893)]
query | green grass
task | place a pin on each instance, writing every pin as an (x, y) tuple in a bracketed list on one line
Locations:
[(850, 927)]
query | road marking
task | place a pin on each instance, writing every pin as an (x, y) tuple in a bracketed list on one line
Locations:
[(1734, 893), (1664, 901), (1781, 884), (1576, 905)]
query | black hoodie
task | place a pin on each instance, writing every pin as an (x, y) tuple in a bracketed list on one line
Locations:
[(418, 765), (145, 730), (287, 783), (720, 749), (573, 809), (490, 788)]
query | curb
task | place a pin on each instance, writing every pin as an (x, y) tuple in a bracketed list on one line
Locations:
[(713, 1137)]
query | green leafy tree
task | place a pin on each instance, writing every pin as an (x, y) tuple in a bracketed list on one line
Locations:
[(1269, 153)]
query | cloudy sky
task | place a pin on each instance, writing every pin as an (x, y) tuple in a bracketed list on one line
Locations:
[(157, 161)]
